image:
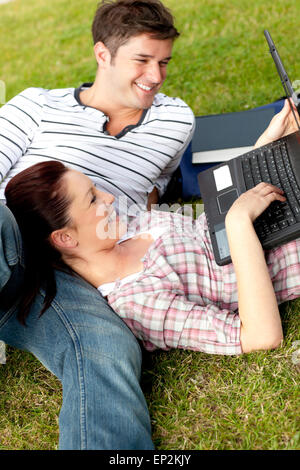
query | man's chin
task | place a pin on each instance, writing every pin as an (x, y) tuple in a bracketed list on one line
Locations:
[(146, 98), (147, 103)]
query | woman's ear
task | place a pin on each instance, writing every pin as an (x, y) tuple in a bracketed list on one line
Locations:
[(102, 54), (62, 239)]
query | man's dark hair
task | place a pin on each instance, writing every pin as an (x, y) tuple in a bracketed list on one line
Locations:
[(115, 22)]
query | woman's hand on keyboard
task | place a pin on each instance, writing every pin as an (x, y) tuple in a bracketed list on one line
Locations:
[(253, 203)]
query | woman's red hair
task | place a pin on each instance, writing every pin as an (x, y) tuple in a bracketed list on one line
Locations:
[(38, 200)]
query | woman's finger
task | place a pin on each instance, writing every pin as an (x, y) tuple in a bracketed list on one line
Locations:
[(265, 188), (274, 196)]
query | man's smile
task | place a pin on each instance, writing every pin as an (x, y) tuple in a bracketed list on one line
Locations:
[(145, 87)]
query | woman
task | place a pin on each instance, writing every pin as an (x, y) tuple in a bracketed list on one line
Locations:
[(161, 278)]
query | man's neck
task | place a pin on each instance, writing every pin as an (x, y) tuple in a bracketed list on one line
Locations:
[(118, 118)]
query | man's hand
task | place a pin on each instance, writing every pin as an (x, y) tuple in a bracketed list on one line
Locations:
[(152, 198), (282, 124)]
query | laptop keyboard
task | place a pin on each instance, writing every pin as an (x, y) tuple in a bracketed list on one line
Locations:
[(272, 166)]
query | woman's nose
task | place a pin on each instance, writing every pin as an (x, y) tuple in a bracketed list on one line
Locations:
[(106, 197)]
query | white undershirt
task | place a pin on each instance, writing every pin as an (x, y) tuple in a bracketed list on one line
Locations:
[(108, 287)]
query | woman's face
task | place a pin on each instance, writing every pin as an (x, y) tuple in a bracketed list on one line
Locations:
[(94, 220)]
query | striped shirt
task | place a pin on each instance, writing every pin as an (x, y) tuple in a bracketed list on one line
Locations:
[(182, 298), (39, 124)]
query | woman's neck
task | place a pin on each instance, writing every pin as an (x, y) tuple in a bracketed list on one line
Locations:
[(97, 267), (104, 266)]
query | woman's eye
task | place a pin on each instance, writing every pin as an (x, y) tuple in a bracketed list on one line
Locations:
[(93, 199)]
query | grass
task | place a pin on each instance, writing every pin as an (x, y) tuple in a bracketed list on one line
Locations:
[(30, 398), (248, 402), (221, 64)]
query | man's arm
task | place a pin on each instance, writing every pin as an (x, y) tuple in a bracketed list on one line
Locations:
[(19, 119), (282, 124), (152, 198), (163, 180)]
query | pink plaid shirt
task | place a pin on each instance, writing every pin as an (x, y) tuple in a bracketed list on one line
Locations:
[(182, 298)]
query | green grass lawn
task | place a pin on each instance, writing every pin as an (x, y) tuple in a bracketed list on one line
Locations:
[(221, 64)]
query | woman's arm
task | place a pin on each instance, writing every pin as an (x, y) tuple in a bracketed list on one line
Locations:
[(260, 320), (165, 319)]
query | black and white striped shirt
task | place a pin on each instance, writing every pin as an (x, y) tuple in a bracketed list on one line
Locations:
[(39, 124)]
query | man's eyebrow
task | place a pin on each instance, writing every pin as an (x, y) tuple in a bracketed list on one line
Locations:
[(148, 56)]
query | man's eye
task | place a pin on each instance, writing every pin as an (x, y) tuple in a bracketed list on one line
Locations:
[(93, 199)]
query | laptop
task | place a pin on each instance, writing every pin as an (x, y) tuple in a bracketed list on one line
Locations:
[(278, 163)]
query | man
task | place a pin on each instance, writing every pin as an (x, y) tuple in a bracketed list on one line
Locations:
[(119, 130), (129, 139)]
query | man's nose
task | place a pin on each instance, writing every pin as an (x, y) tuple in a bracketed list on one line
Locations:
[(154, 73)]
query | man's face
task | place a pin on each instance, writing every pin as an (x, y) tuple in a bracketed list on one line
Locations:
[(138, 71)]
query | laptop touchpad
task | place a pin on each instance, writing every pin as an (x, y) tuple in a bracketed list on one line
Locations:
[(226, 200)]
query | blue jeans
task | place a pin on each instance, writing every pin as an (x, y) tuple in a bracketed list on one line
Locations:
[(86, 345)]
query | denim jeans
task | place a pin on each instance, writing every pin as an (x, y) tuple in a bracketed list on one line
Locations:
[(86, 345)]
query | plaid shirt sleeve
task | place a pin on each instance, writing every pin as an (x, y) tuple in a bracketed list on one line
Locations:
[(167, 320)]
